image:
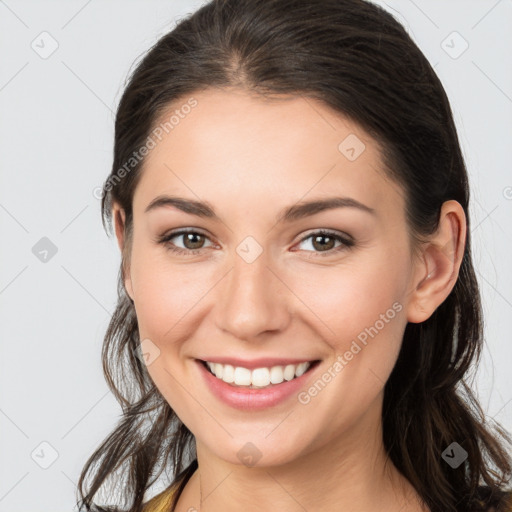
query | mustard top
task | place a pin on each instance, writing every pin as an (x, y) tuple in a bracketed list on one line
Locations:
[(161, 502)]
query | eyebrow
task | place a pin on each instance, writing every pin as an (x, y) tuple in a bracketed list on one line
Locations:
[(289, 214)]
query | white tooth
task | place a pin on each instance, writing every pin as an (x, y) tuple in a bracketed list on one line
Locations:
[(228, 374), (260, 377), (276, 374), (218, 370), (242, 376), (301, 368), (289, 372)]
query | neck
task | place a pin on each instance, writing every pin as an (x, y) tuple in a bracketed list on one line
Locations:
[(349, 472)]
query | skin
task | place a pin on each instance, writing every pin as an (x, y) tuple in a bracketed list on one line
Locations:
[(251, 157)]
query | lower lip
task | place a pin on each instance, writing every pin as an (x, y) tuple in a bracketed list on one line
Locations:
[(250, 399)]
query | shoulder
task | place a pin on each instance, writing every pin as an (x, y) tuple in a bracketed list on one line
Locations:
[(161, 502)]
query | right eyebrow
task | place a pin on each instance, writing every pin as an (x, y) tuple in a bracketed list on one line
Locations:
[(201, 209)]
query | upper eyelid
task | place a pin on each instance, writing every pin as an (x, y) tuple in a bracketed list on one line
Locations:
[(327, 232)]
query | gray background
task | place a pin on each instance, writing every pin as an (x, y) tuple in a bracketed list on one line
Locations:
[(56, 134)]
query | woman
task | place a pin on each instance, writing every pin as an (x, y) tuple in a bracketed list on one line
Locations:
[(297, 301)]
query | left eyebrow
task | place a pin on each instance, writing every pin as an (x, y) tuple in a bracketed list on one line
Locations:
[(305, 209), (289, 214)]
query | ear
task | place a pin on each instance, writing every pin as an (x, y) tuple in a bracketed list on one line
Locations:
[(438, 266), (119, 216)]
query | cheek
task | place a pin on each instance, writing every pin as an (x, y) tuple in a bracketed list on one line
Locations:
[(167, 298), (163, 293), (352, 298), (362, 314)]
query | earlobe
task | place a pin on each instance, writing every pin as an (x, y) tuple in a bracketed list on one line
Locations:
[(438, 270)]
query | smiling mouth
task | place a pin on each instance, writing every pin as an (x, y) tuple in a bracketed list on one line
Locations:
[(258, 378)]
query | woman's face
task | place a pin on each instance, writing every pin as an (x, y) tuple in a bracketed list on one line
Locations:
[(256, 288)]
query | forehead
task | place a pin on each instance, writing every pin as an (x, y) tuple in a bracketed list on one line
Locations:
[(233, 145)]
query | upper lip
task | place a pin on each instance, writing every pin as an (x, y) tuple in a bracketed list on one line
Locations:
[(261, 362)]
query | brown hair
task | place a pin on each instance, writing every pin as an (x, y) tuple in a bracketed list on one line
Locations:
[(356, 58)]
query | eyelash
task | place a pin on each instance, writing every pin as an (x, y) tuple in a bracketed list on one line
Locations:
[(347, 242)]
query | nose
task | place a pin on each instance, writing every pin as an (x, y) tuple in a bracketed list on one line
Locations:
[(252, 300)]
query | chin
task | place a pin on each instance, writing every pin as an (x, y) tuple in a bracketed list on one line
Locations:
[(259, 450)]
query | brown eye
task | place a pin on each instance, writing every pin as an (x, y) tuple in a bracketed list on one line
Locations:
[(192, 241), (324, 242), (319, 242)]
